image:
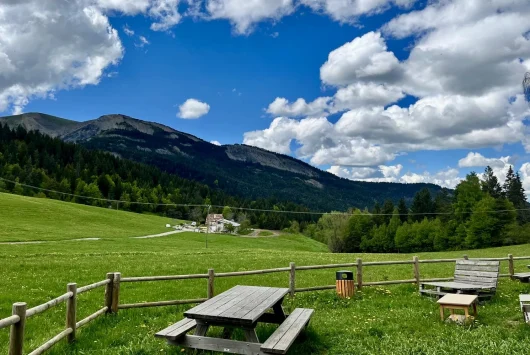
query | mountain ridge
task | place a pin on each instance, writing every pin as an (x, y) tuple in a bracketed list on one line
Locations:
[(235, 168)]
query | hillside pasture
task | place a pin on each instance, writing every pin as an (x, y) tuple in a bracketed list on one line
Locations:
[(378, 320)]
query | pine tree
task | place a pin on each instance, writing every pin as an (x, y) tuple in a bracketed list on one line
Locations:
[(388, 210), (377, 217), (403, 210), (422, 205), (515, 193), (490, 184)]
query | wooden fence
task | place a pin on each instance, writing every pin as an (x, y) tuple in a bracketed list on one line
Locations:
[(21, 313)]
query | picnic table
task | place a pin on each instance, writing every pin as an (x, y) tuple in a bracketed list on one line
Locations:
[(240, 307)]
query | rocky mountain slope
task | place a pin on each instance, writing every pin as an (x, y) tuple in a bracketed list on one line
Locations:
[(237, 169)]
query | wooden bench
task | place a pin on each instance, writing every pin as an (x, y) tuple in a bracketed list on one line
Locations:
[(524, 301), (523, 277), (478, 277), (282, 339), (177, 330)]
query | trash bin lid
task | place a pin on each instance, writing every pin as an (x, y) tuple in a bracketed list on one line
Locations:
[(344, 275)]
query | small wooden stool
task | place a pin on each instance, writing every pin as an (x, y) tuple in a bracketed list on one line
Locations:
[(457, 301)]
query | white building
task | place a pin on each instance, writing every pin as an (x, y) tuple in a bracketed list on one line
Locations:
[(217, 224)]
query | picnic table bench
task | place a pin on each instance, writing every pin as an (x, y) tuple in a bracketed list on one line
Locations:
[(240, 307), (477, 277), (522, 276)]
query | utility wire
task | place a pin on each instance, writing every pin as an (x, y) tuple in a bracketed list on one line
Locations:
[(254, 209)]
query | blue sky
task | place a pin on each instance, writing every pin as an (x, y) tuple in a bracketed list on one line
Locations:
[(460, 99)]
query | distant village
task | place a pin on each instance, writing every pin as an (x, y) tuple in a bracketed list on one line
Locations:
[(215, 223)]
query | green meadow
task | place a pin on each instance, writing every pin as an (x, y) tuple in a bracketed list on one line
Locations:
[(378, 320)]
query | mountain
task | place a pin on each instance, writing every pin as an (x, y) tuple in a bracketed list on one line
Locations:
[(236, 169)]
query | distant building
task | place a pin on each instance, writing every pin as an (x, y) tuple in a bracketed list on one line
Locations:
[(217, 224)]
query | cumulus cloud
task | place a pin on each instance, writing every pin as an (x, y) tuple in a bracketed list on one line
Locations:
[(66, 45), (349, 10), (467, 91), (476, 159), (364, 58), (382, 173), (193, 109), (215, 143), (142, 42), (244, 14)]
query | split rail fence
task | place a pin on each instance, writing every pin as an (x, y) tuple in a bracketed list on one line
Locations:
[(21, 313)]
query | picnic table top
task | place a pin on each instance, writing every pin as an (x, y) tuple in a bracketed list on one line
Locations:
[(239, 305), (452, 299)]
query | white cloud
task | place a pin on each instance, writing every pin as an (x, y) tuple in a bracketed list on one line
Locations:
[(364, 58), (128, 7), (468, 90), (66, 45), (128, 31), (193, 109), (478, 160), (381, 174), (346, 98), (350, 10), (243, 14), (215, 143), (166, 14), (281, 107), (525, 177)]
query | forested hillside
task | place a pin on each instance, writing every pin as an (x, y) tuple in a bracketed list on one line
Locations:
[(238, 170), (35, 159), (480, 214)]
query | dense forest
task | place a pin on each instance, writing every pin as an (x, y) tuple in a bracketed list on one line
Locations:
[(34, 159), (481, 213)]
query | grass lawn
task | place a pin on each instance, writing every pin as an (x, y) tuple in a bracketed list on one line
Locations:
[(31, 219), (380, 320)]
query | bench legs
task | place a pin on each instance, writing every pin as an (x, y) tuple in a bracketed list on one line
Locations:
[(201, 329), (250, 335)]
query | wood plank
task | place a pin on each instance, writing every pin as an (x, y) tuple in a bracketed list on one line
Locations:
[(292, 333), (223, 297), (247, 305), (266, 304), (477, 268), (478, 262), (454, 285), (219, 345), (475, 280), (212, 313), (172, 331), (484, 274), (275, 337), (245, 295)]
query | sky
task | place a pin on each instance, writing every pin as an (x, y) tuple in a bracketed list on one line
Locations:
[(376, 90)]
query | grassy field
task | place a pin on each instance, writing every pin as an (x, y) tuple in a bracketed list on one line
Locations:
[(379, 320), (34, 219)]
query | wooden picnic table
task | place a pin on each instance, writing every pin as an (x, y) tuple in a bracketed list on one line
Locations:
[(240, 307)]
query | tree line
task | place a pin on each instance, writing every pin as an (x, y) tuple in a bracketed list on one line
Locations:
[(94, 177), (480, 213)]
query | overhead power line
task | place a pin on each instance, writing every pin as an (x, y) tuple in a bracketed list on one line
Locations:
[(252, 209)]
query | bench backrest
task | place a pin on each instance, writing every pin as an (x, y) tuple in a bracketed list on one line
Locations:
[(477, 272)]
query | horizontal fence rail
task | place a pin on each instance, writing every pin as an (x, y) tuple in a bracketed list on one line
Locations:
[(113, 281)]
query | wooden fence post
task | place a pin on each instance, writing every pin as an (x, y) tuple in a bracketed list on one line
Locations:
[(417, 270), (71, 305), (211, 278), (16, 337), (108, 292), (359, 274), (466, 257), (510, 265), (116, 292), (292, 279)]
